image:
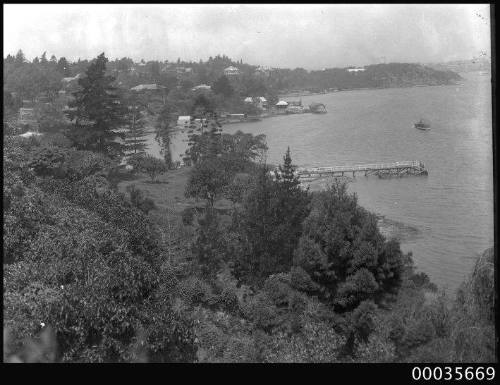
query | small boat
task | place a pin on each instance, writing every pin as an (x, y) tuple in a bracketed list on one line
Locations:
[(423, 125), (317, 108)]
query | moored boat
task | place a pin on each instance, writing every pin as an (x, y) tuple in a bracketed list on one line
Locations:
[(422, 125), (317, 108)]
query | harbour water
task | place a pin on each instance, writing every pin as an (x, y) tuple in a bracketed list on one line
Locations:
[(445, 218)]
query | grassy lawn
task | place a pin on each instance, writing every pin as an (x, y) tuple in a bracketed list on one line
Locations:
[(168, 195), (168, 191)]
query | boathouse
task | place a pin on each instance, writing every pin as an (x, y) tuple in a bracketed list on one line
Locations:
[(281, 107)]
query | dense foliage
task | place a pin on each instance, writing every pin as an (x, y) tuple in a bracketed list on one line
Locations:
[(83, 260), (97, 270)]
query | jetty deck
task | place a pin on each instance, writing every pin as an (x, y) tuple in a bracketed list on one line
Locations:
[(411, 167)]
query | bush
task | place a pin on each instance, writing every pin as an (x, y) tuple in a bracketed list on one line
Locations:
[(317, 343), (261, 310), (195, 291), (364, 319), (277, 288), (188, 215), (47, 161), (138, 200)]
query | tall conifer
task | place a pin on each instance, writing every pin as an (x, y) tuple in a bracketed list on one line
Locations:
[(97, 111)]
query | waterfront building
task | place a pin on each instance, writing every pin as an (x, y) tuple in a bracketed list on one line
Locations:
[(281, 107)]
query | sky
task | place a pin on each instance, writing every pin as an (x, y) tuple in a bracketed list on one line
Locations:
[(311, 36)]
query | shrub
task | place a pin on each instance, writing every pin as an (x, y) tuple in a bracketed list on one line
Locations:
[(47, 161), (277, 287), (317, 343), (188, 215), (138, 199), (261, 310), (364, 319), (195, 291)]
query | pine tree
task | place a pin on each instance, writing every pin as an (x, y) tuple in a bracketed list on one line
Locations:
[(292, 208), (43, 58), (204, 142), (271, 221), (164, 122), (254, 224), (135, 142), (20, 58), (63, 67), (97, 111)]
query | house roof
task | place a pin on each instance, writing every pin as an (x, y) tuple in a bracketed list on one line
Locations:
[(202, 87), (231, 68), (142, 87), (29, 134), (70, 79), (282, 103)]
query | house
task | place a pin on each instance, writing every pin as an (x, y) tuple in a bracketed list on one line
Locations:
[(281, 107), (231, 71), (70, 83), (184, 121), (262, 100), (184, 70), (355, 69), (147, 87), (201, 87), (71, 79), (26, 115), (27, 118), (295, 103), (262, 70), (259, 101), (291, 109), (29, 134)]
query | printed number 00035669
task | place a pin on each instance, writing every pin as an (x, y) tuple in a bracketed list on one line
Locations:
[(453, 373)]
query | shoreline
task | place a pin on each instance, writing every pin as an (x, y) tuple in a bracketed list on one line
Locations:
[(307, 93)]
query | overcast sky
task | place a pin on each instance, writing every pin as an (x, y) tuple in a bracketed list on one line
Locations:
[(308, 36)]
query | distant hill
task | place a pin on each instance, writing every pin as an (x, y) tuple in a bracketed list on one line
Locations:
[(472, 65), (381, 76)]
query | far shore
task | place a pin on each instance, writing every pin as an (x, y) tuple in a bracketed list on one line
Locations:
[(308, 93)]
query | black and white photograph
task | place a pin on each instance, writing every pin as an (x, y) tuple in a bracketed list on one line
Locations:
[(250, 183)]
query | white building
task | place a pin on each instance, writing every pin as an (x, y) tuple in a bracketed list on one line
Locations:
[(202, 87), (231, 71), (183, 121), (356, 69), (71, 79), (147, 87)]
